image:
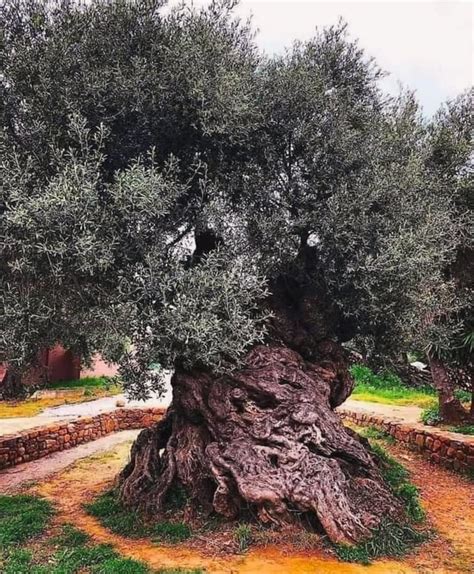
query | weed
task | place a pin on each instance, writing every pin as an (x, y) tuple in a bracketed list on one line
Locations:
[(116, 517), (389, 539), (120, 566), (375, 433), (171, 532), (388, 388), (20, 561), (22, 517), (397, 477), (71, 537), (121, 520), (86, 382), (243, 536), (463, 429), (431, 416)]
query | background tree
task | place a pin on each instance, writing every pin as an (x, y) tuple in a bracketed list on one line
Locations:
[(451, 349), (236, 220)]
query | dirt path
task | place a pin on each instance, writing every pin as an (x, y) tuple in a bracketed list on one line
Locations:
[(409, 414), (12, 478), (448, 500)]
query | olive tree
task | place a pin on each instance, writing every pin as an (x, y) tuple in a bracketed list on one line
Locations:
[(177, 199), (452, 337)]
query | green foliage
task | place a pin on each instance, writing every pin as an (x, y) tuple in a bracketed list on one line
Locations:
[(71, 537), (243, 536), (74, 554), (388, 388), (171, 532), (20, 561), (87, 383), (118, 519), (397, 477), (159, 176), (22, 517), (463, 429), (80, 557), (375, 433), (121, 566), (114, 516), (388, 540), (431, 416)]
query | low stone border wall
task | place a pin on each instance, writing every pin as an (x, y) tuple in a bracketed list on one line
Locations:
[(38, 442), (445, 448)]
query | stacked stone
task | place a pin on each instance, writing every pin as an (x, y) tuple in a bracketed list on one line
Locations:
[(38, 442), (448, 449)]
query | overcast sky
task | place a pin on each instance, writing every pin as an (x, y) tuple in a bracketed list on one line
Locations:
[(425, 45)]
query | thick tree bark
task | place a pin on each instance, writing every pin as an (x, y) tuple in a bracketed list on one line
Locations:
[(450, 408), (12, 386), (264, 440)]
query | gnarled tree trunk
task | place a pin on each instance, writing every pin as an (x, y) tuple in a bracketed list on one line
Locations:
[(12, 386), (450, 408), (264, 439)]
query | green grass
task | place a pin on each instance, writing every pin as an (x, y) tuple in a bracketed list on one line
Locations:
[(463, 429), (397, 477), (375, 433), (388, 388), (171, 532), (243, 537), (388, 540), (432, 417), (86, 383), (22, 517), (69, 553), (125, 522)]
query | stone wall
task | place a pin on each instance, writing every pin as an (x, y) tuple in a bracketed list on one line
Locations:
[(448, 449), (40, 441)]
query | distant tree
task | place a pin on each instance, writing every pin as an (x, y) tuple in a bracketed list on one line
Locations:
[(231, 218), (451, 349)]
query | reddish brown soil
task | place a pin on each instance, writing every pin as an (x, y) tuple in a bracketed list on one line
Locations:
[(447, 498)]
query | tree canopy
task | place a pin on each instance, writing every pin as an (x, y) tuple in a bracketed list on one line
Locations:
[(172, 196)]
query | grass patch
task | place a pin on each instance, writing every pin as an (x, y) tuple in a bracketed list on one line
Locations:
[(375, 433), (397, 477), (69, 553), (121, 520), (171, 532), (431, 415), (22, 517), (389, 540), (33, 407), (463, 429), (85, 383), (71, 537), (388, 388), (243, 537)]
